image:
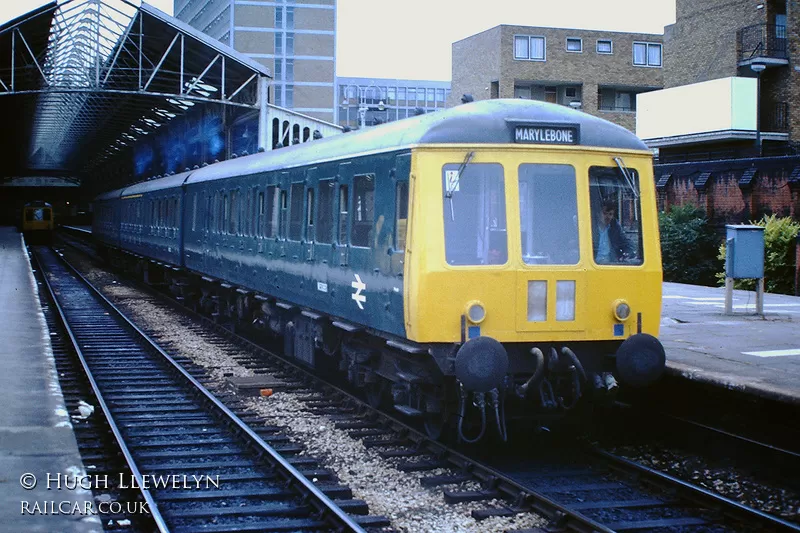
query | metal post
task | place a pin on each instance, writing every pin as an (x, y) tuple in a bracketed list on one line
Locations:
[(264, 123), (760, 297), (758, 114), (728, 296)]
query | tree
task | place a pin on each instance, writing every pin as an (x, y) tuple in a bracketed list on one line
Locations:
[(688, 246)]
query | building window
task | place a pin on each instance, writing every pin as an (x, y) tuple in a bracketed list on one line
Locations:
[(278, 43), (604, 47), (279, 17), (440, 96), (528, 47), (278, 71), (289, 96), (574, 44), (289, 44), (289, 18), (290, 70), (647, 54)]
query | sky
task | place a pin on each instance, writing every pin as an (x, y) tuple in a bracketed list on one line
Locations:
[(412, 39)]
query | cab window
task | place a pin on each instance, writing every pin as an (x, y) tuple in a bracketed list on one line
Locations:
[(616, 216), (474, 214), (548, 208)]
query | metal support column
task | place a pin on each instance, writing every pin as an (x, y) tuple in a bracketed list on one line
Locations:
[(264, 123)]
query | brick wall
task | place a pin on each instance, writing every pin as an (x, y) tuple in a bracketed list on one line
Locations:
[(733, 193)]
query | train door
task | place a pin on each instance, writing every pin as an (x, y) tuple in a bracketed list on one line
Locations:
[(310, 215), (402, 168), (343, 219)]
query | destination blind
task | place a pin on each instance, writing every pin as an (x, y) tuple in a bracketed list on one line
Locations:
[(546, 134)]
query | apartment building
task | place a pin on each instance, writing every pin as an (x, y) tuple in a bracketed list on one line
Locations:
[(599, 72), (747, 42), (295, 39), (373, 101)]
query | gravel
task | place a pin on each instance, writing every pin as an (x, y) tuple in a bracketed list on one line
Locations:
[(387, 490)]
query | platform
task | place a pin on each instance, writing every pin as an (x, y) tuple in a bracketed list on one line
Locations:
[(747, 352), (36, 435)]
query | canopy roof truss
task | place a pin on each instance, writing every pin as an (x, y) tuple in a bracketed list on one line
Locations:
[(83, 79)]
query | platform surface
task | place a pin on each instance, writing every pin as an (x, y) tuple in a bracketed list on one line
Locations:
[(745, 351), (36, 435)]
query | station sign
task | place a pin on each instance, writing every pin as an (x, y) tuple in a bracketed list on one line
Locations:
[(546, 134)]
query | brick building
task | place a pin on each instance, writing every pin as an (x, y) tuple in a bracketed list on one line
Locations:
[(387, 100), (295, 39), (600, 72), (717, 39)]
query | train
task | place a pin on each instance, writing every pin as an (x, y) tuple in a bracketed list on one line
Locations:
[(497, 260), (37, 222)]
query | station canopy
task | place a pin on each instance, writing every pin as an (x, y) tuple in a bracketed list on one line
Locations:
[(82, 81)]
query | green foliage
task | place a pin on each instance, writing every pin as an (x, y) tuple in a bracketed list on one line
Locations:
[(779, 256), (688, 246)]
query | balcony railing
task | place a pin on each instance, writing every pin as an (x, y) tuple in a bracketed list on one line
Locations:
[(762, 41), (775, 118), (627, 109)]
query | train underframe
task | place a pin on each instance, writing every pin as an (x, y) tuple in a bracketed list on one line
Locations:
[(451, 390)]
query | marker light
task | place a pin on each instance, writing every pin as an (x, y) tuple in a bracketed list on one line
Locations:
[(565, 301), (476, 312), (537, 301), (622, 310)]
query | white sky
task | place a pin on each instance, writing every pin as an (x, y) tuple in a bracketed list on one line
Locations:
[(412, 39)]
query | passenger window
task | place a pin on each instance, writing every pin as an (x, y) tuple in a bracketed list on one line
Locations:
[(226, 213), (401, 218), (343, 214), (296, 212), (474, 214), (325, 211), (363, 209), (310, 214), (273, 211), (284, 203), (233, 213), (261, 215)]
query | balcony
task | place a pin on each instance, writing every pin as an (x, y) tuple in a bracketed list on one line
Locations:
[(765, 43)]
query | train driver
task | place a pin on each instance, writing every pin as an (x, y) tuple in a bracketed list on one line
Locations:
[(610, 244)]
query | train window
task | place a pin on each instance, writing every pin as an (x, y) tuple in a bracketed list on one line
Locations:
[(284, 203), (474, 214), (226, 213), (194, 211), (273, 211), (616, 221), (296, 212), (233, 220), (326, 208), (548, 207), (343, 214), (261, 215), (363, 209), (401, 216), (310, 214)]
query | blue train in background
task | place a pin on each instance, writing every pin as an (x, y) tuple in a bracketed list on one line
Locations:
[(445, 263)]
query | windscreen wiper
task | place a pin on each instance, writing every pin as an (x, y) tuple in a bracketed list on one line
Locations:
[(622, 168), (454, 186)]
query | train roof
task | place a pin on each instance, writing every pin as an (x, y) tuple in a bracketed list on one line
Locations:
[(483, 122), (167, 182)]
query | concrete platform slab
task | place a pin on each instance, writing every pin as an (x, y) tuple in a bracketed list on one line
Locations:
[(36, 437), (744, 351)]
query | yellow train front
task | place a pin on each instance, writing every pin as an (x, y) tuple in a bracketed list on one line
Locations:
[(533, 268), (37, 222)]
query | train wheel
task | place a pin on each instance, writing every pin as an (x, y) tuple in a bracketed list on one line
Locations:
[(434, 425), (376, 393)]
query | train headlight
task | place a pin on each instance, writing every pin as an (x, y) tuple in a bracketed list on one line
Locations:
[(476, 312), (622, 310)]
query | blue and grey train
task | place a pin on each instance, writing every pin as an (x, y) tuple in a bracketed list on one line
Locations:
[(454, 265)]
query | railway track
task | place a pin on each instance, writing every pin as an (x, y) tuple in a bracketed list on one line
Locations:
[(575, 489), (196, 465)]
